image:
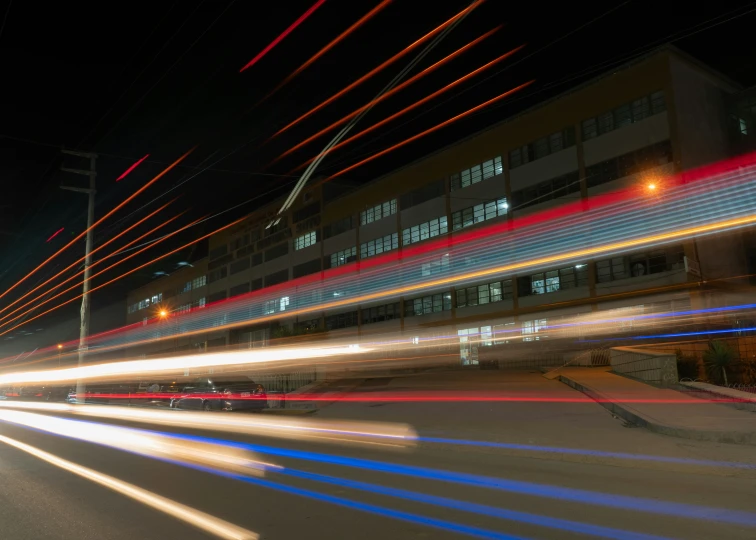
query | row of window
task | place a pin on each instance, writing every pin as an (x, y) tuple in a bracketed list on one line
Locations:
[(378, 212), (144, 304), (542, 147), (624, 115), (379, 245), (547, 190), (306, 240), (424, 231), (479, 213), (344, 256), (476, 173), (635, 162)]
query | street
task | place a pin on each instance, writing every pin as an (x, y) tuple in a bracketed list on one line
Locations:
[(549, 470)]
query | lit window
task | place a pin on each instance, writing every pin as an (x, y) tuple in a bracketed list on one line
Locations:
[(476, 173), (284, 303), (306, 240), (478, 213), (343, 257), (531, 330), (743, 126), (377, 212), (379, 245), (424, 231), (199, 282)]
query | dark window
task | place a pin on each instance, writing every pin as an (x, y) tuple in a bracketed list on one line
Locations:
[(239, 266), (282, 224), (309, 267), (239, 242), (257, 259), (220, 251), (221, 261), (215, 275), (239, 289), (434, 303), (628, 164), (342, 320), (338, 227), (546, 191), (308, 211), (484, 294), (216, 297), (426, 193), (542, 147), (245, 251), (277, 277), (275, 252), (256, 284), (381, 313)]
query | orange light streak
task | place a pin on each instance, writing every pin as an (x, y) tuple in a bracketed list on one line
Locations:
[(96, 223), (381, 67), (581, 253), (430, 130), (328, 47), (160, 226), (101, 271), (98, 248), (388, 94), (126, 274), (413, 106)]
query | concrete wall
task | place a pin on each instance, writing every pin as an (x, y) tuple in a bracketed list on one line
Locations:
[(656, 367)]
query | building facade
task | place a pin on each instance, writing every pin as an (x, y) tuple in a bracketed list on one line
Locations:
[(658, 115)]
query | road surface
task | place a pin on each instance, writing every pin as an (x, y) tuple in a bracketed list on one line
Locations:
[(564, 480)]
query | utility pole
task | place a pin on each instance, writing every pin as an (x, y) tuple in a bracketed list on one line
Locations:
[(84, 329)]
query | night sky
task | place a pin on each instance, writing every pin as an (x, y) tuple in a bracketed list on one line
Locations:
[(130, 79)]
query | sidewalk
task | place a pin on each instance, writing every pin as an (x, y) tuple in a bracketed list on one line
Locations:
[(663, 411)]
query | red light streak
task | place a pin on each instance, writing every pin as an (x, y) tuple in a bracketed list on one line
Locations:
[(92, 276), (98, 248), (328, 47), (285, 33), (134, 166), (56, 233), (406, 109), (126, 274), (388, 94), (381, 67), (98, 222), (428, 131)]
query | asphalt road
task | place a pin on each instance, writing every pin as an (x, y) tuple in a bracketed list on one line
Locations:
[(437, 490)]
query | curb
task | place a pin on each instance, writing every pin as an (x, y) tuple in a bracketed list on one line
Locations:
[(628, 414)]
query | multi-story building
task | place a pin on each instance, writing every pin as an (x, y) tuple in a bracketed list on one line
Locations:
[(657, 115)]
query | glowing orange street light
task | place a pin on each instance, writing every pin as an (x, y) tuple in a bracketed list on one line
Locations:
[(60, 347), (651, 187), (163, 314)]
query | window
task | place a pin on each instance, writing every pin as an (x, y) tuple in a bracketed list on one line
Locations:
[(307, 268), (533, 330), (343, 257), (218, 252), (277, 277), (624, 115), (218, 274), (429, 229), (257, 259), (628, 164), (307, 211), (342, 226), (199, 282), (377, 212), (274, 306), (476, 173), (239, 266), (306, 240), (256, 284), (556, 280), (742, 126), (542, 147), (279, 224), (156, 298), (199, 303), (379, 245), (436, 267), (239, 289), (545, 191), (133, 308), (275, 252), (222, 261), (484, 294), (216, 297), (342, 320), (479, 212), (377, 314), (639, 264), (185, 308), (186, 288), (308, 326), (435, 303), (239, 242), (425, 193)]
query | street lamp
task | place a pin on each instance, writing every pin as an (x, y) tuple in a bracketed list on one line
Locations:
[(60, 349)]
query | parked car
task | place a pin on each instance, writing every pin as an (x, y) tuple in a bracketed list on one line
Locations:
[(222, 394)]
